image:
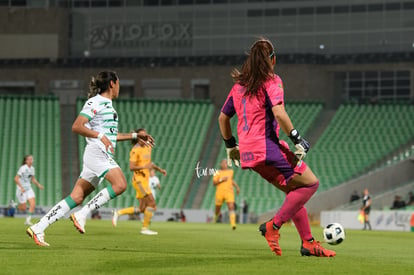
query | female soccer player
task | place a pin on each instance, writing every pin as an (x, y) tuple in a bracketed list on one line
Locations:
[(154, 183), (140, 163), (257, 99), (24, 192), (98, 123), (223, 180)]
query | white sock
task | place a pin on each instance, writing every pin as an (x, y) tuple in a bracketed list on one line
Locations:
[(57, 212), (95, 203)]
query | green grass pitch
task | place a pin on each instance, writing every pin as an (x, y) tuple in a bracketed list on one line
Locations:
[(194, 248)]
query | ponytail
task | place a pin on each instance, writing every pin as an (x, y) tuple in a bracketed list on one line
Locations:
[(257, 68), (100, 83)]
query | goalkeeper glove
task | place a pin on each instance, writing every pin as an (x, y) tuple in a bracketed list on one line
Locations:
[(233, 153), (302, 145)]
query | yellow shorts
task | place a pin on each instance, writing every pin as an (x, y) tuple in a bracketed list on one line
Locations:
[(224, 196), (142, 188)]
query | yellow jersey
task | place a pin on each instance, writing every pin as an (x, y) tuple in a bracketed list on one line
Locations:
[(140, 156), (227, 185)]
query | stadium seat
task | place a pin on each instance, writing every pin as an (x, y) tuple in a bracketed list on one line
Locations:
[(357, 137), (32, 126)]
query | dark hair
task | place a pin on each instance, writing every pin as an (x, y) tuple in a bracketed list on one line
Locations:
[(257, 68), (25, 158), (100, 82), (135, 141)]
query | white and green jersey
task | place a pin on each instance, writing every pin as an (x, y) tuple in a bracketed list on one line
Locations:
[(153, 182), (25, 174), (102, 118)]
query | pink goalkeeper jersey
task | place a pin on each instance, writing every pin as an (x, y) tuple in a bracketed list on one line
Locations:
[(257, 129)]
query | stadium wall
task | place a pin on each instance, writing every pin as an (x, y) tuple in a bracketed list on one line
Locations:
[(380, 220), (34, 33)]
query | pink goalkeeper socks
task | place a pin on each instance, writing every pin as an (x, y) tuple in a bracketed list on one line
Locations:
[(301, 221), (292, 208)]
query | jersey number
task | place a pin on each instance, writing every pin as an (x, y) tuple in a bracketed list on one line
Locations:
[(245, 127)]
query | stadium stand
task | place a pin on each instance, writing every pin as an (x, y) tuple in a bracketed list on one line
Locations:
[(179, 131), (261, 195), (357, 137), (30, 125)]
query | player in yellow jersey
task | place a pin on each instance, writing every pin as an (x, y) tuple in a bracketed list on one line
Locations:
[(223, 180), (140, 163)]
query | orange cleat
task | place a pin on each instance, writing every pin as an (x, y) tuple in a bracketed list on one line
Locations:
[(39, 238), (78, 222), (272, 236), (314, 248)]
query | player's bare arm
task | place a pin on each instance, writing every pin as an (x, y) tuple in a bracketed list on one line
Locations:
[(147, 139), (232, 149), (159, 169), (16, 179), (237, 187), (225, 127), (286, 125), (282, 118), (37, 183), (125, 136), (134, 167)]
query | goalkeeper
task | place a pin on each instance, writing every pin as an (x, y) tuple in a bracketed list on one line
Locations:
[(257, 99)]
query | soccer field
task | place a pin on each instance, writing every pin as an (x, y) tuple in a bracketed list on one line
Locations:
[(190, 248)]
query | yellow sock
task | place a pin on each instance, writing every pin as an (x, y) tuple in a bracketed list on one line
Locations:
[(127, 211), (148, 213), (232, 216)]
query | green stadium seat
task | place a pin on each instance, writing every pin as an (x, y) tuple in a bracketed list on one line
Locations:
[(362, 134), (31, 126)]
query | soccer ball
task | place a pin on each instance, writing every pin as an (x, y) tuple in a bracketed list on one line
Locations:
[(334, 233)]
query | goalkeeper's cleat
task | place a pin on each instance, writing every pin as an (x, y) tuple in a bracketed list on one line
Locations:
[(146, 231), (272, 236), (115, 217), (78, 222), (39, 238), (314, 248)]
